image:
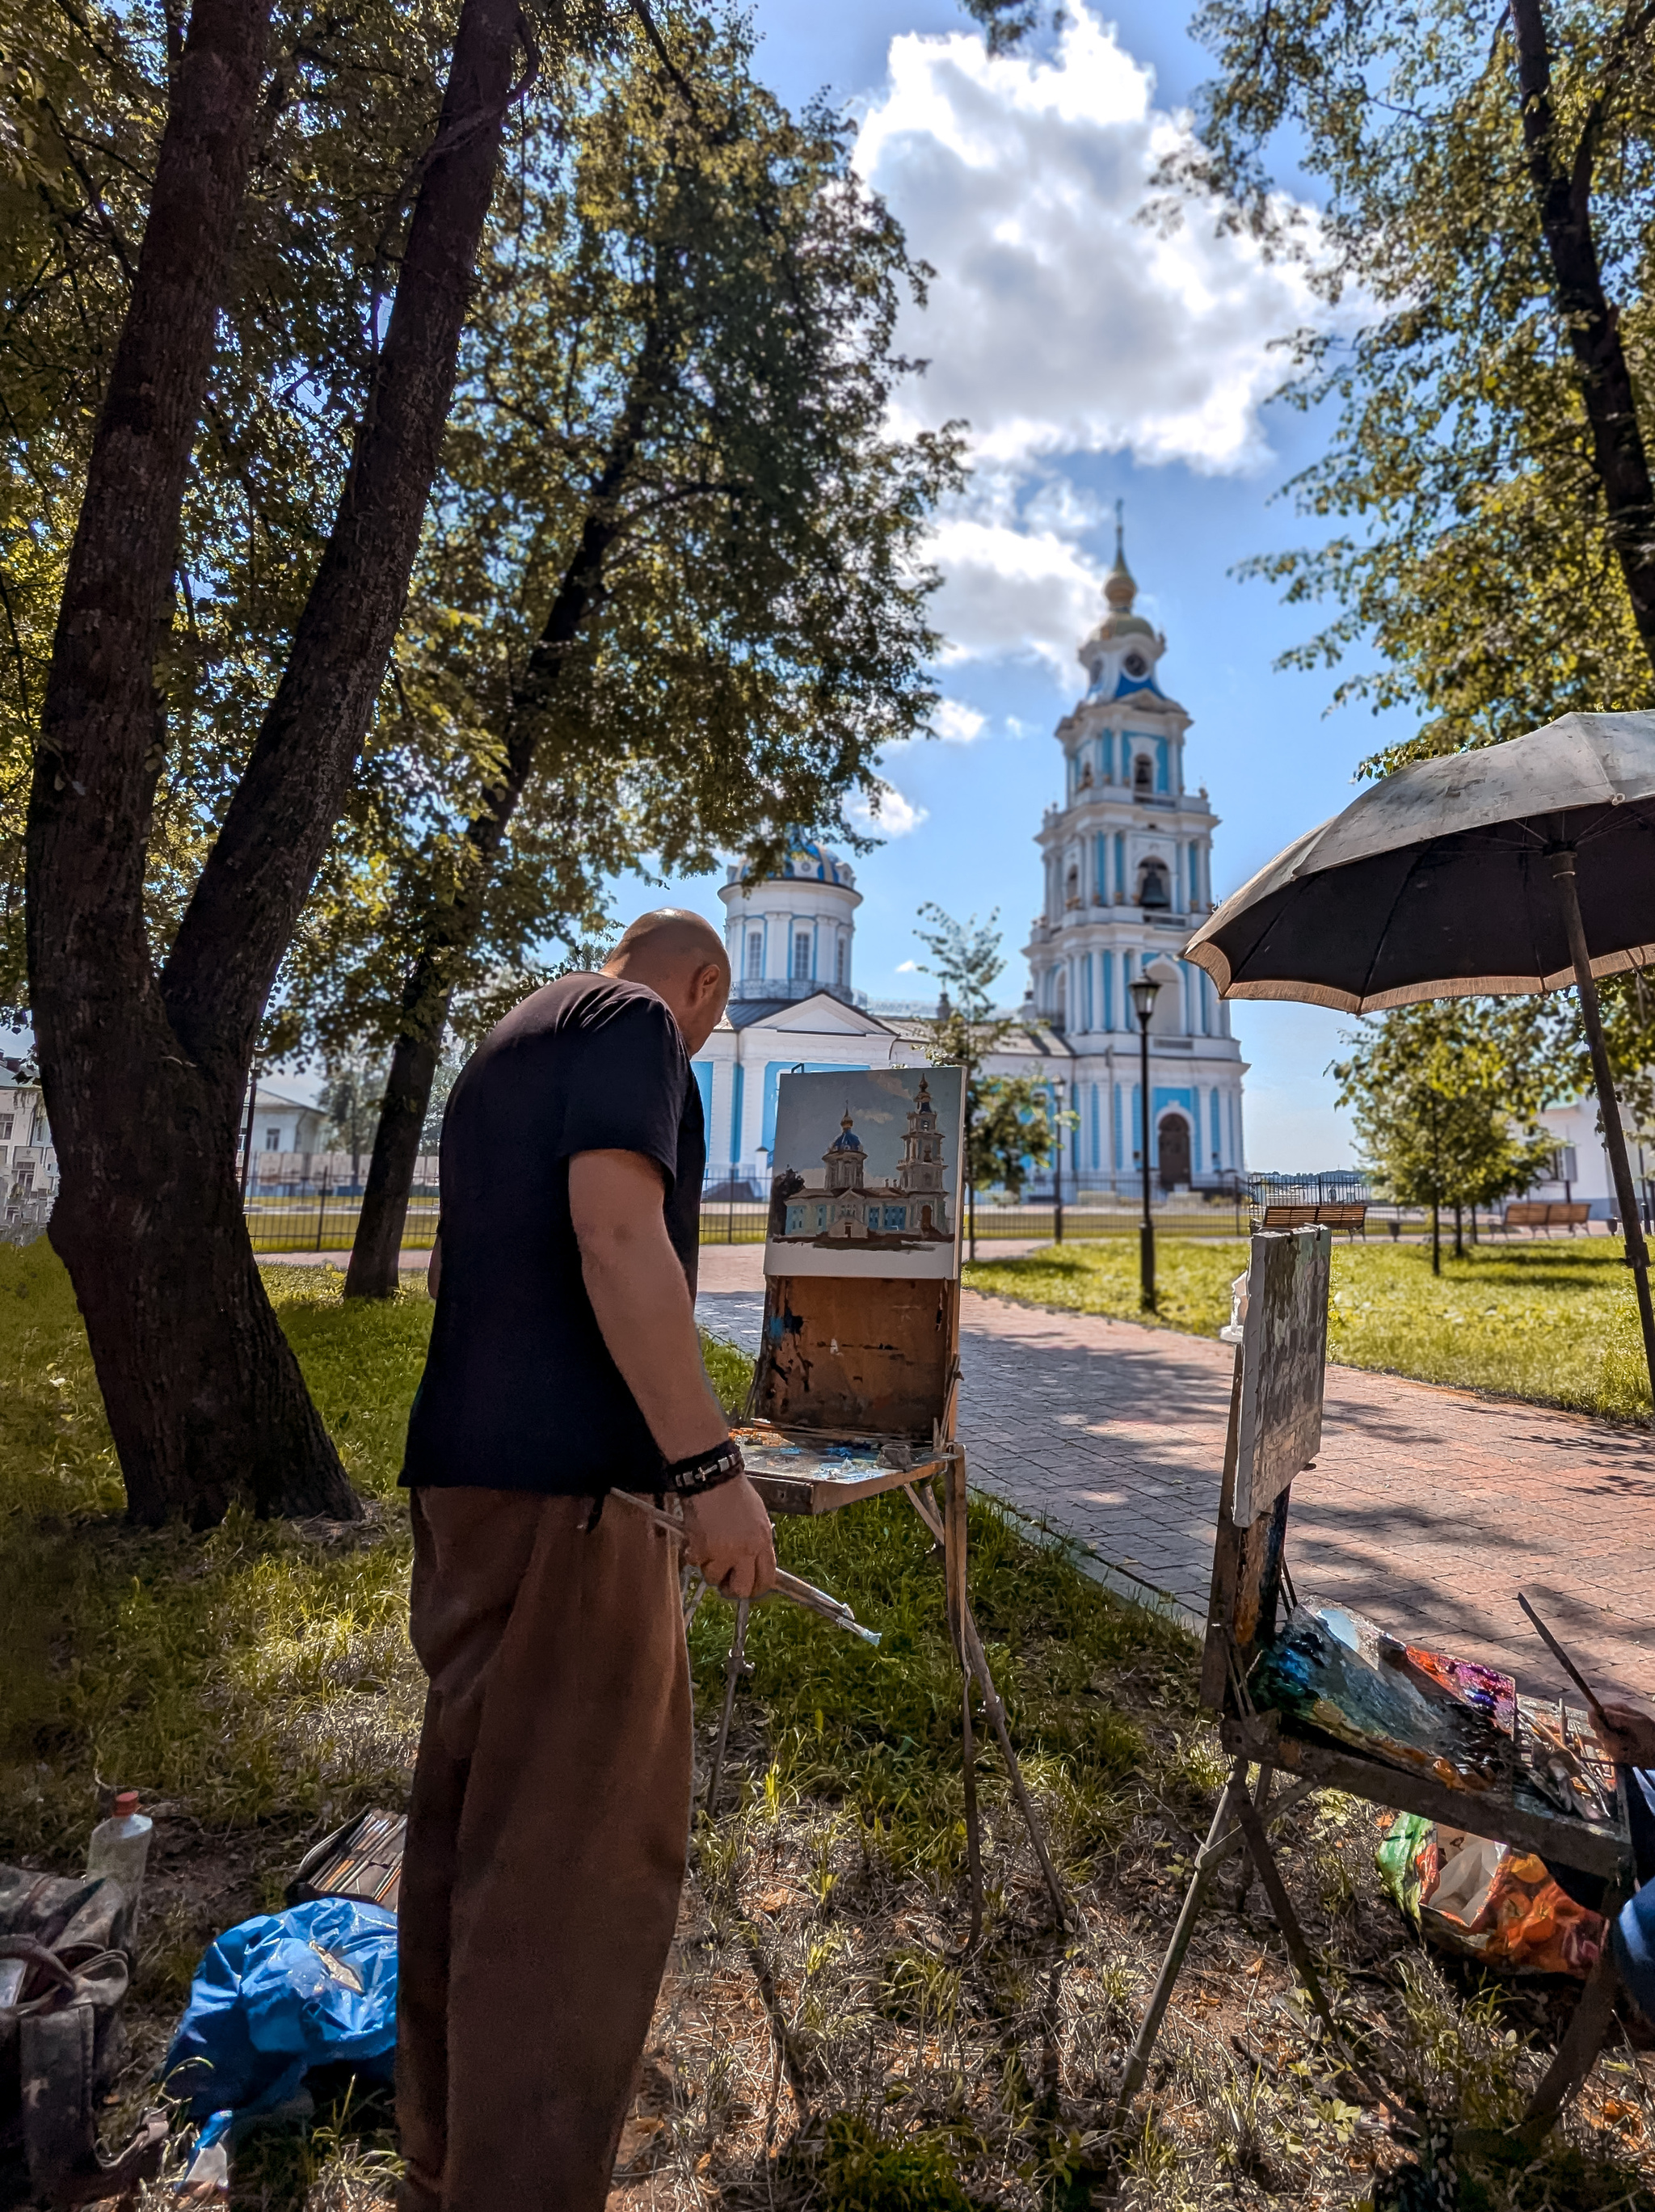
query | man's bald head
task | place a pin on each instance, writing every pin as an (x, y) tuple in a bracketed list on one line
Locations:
[(682, 959)]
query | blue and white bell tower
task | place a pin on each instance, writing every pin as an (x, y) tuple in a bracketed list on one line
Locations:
[(1128, 859)]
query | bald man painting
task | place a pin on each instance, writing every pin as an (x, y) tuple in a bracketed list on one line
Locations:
[(551, 1808)]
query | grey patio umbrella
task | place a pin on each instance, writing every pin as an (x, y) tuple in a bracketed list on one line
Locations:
[(1516, 867)]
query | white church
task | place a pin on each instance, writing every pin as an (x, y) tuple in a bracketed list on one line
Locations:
[(1127, 857)]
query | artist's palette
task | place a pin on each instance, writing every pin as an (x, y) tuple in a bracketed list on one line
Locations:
[(1334, 1671), (798, 1473)]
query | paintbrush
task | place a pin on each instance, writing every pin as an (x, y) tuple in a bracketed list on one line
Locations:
[(1569, 1668), (788, 1586)]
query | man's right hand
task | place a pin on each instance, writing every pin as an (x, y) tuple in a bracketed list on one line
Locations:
[(729, 1537), (1629, 1738)]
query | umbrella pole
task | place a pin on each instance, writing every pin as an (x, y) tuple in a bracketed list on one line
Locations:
[(1615, 1139)]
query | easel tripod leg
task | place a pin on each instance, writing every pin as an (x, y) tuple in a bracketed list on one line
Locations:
[(732, 1675), (1220, 1842), (950, 1533), (1286, 1919), (1583, 2038), (1260, 1799), (997, 1714), (973, 1828)]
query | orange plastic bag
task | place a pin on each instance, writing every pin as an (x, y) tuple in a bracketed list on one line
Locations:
[(1503, 1907)]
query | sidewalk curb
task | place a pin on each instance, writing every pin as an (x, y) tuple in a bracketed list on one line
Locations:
[(1119, 1581)]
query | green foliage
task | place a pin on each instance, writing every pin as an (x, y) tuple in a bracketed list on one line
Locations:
[(863, 2171), (729, 1370), (1012, 1125), (1442, 1094), (80, 114), (671, 583), (353, 101), (353, 1083), (1479, 559)]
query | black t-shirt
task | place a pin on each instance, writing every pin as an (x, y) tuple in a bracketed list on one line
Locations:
[(520, 1391)]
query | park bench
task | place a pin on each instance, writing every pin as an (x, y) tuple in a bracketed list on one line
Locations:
[(1533, 1213), (1351, 1216)]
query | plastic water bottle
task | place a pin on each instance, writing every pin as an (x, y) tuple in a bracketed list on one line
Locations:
[(120, 1847)]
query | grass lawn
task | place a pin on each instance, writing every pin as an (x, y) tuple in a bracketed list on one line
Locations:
[(820, 2042), (1553, 1321)]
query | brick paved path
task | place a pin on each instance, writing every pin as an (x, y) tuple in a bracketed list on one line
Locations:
[(1428, 1509)]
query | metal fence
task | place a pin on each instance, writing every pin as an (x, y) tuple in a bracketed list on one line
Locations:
[(1048, 1217), (1344, 1187), (322, 1221)]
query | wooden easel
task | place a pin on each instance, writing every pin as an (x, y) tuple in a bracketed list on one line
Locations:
[(873, 1362), (1250, 1575)]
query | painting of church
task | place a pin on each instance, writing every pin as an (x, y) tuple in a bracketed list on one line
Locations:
[(881, 1201)]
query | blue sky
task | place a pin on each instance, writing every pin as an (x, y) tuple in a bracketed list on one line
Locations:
[(1094, 360)]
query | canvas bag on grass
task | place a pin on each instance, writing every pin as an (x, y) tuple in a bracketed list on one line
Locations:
[(62, 2041)]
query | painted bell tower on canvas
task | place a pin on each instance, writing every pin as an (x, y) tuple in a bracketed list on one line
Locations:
[(1127, 854)]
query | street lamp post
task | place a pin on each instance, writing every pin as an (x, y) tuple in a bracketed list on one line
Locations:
[(1145, 990), (1058, 1090)]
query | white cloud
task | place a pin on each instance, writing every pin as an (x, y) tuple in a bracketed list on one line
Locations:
[(907, 967), (1058, 323), (1009, 591), (889, 815), (956, 724)]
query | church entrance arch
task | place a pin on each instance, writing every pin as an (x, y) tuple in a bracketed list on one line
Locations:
[(1174, 1148)]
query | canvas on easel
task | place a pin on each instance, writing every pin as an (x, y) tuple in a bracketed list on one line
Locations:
[(862, 1258), (855, 1386)]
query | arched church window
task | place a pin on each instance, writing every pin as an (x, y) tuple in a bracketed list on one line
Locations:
[(842, 961), (755, 955), (1072, 888), (1143, 773), (1154, 888), (801, 956)]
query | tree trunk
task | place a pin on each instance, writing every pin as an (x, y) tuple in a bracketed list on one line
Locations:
[(1459, 1232), (1436, 1238), (143, 1076), (1562, 190), (376, 1250), (454, 926)]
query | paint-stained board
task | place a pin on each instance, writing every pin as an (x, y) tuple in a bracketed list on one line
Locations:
[(1283, 1366), (872, 1354)]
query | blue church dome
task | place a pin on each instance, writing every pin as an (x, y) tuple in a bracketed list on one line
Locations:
[(808, 862), (847, 1140)]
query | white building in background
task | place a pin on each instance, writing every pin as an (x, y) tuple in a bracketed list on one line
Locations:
[(28, 1159), (791, 1006), (281, 1123), (1127, 862), (1580, 1164)]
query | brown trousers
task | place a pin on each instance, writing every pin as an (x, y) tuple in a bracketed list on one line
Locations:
[(546, 1840)]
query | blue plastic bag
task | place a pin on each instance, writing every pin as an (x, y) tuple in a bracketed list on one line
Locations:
[(281, 1994)]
